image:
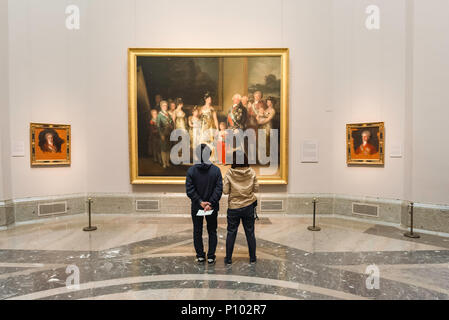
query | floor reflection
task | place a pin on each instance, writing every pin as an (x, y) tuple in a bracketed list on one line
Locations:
[(153, 258)]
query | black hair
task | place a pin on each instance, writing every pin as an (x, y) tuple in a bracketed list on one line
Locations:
[(203, 153), (272, 99), (239, 165), (207, 95)]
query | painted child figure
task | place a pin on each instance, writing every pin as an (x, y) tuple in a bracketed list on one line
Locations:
[(221, 142), (155, 139), (195, 128)]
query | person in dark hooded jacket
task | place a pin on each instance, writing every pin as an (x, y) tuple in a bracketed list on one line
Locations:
[(204, 187)]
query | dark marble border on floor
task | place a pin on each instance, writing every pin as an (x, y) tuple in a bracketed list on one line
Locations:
[(398, 234)]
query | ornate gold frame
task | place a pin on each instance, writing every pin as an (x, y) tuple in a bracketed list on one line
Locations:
[(132, 107), (33, 161), (378, 162)]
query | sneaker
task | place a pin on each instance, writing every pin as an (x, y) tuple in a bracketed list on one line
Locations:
[(211, 261), (252, 261), (200, 260), (227, 262)]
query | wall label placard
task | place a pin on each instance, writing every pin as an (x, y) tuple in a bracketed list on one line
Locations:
[(396, 151), (18, 149), (309, 151)]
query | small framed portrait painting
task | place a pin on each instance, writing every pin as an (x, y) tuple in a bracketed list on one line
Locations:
[(50, 144), (365, 143)]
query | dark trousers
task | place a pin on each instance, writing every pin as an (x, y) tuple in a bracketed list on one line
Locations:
[(198, 235), (247, 217)]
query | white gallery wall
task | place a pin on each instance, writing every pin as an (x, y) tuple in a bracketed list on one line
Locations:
[(5, 170), (398, 74), (80, 77), (430, 95), (340, 73), (49, 74), (302, 26), (369, 86)]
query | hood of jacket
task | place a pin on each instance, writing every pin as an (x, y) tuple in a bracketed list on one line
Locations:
[(203, 166), (240, 173)]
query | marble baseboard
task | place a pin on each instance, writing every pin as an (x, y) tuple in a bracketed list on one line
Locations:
[(23, 210), (6, 213), (173, 203), (388, 210), (431, 218), (29, 210), (303, 204), (427, 217)]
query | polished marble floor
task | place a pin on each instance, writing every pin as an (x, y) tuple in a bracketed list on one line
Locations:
[(149, 257)]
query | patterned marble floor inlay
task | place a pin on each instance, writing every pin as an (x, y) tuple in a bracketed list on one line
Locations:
[(153, 258)]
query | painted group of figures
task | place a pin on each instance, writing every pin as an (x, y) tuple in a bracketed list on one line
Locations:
[(168, 115)]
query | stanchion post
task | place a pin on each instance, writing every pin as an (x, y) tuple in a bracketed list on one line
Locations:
[(90, 227), (314, 227), (411, 234)]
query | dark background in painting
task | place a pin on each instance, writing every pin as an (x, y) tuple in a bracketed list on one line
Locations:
[(357, 136), (188, 78)]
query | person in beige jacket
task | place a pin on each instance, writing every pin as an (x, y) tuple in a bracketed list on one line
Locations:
[(240, 183)]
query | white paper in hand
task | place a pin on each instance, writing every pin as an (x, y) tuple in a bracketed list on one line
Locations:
[(204, 213)]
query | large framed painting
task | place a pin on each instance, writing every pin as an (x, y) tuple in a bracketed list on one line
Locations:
[(365, 143), (229, 99), (50, 144)]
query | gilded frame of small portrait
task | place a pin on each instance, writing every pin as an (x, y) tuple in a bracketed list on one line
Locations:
[(365, 144), (50, 144)]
